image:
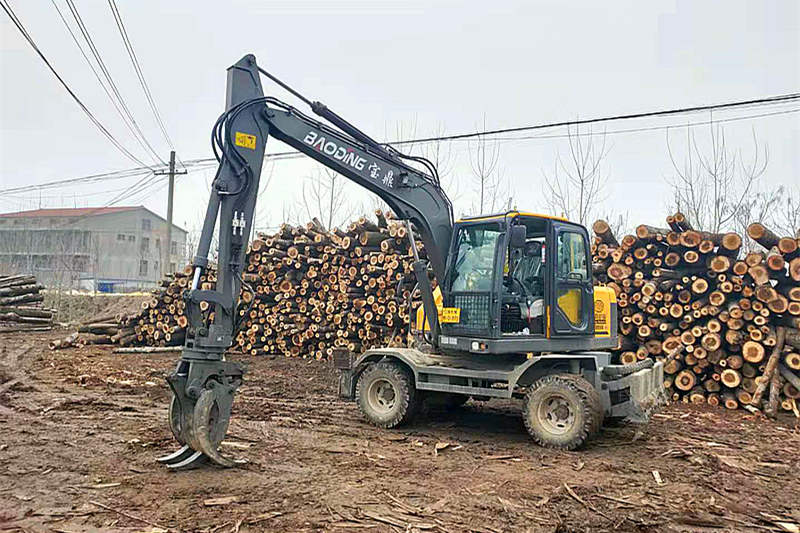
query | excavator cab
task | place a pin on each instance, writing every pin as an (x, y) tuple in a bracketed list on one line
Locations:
[(515, 281)]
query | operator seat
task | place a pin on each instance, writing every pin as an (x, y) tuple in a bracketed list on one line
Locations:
[(523, 298)]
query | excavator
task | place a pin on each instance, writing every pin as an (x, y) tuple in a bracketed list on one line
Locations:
[(509, 309)]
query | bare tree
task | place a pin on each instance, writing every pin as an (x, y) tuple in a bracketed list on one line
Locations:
[(786, 217), (266, 177), (491, 189), (440, 153), (575, 187), (711, 187), (617, 222), (324, 196), (759, 207)]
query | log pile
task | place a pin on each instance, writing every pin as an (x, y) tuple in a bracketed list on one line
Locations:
[(306, 290), (98, 330), (21, 305), (733, 317), (313, 290)]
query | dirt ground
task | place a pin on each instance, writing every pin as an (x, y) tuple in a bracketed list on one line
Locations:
[(80, 430)]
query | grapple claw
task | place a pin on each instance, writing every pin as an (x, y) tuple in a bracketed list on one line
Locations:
[(177, 456), (200, 410), (194, 460), (210, 423)]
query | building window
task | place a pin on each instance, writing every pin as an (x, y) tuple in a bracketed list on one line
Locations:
[(174, 248), (132, 238), (142, 268), (146, 224), (158, 244), (172, 267), (120, 236), (145, 244)]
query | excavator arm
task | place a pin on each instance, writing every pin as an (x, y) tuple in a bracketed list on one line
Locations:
[(204, 383)]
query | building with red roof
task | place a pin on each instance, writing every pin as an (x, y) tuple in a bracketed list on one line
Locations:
[(105, 248)]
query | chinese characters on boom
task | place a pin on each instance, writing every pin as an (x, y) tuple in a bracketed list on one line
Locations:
[(348, 157), (375, 173)]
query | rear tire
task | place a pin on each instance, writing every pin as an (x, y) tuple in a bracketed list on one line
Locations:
[(562, 411), (386, 395)]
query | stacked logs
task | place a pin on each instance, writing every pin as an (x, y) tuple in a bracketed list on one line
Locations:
[(732, 318), (21, 307), (311, 290), (306, 291), (160, 322), (98, 330)]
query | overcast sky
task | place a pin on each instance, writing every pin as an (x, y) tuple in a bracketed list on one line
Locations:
[(390, 66)]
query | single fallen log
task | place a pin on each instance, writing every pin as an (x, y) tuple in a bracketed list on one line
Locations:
[(148, 349), (772, 364)]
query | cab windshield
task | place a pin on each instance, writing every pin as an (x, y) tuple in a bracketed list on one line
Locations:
[(474, 266)]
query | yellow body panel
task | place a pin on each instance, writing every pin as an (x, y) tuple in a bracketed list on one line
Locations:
[(437, 299), (570, 304), (603, 298)]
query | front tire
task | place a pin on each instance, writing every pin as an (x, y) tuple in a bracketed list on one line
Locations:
[(386, 395), (562, 411)]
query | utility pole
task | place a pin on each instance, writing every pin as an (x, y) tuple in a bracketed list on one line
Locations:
[(166, 248)]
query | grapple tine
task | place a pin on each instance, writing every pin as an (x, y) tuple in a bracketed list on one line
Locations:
[(193, 461), (210, 423), (176, 456), (213, 454)]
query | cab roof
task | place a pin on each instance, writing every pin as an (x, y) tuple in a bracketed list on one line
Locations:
[(510, 214)]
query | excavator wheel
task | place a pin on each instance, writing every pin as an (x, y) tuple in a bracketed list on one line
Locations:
[(386, 395), (588, 389), (561, 411)]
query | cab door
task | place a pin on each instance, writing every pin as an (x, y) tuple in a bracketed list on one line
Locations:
[(570, 309)]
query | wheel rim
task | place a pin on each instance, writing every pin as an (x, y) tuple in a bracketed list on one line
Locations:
[(556, 414), (381, 395)]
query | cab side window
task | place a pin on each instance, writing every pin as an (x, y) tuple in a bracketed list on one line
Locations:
[(571, 254)]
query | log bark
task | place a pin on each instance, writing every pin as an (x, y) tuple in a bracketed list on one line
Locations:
[(762, 235), (772, 364), (603, 230)]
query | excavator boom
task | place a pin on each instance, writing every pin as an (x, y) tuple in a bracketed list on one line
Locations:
[(204, 383)]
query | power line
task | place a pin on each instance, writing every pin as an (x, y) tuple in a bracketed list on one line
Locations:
[(203, 163), (137, 187), (644, 129), (613, 118), (10, 12), (106, 176), (139, 73), (292, 154), (107, 74), (114, 102)]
